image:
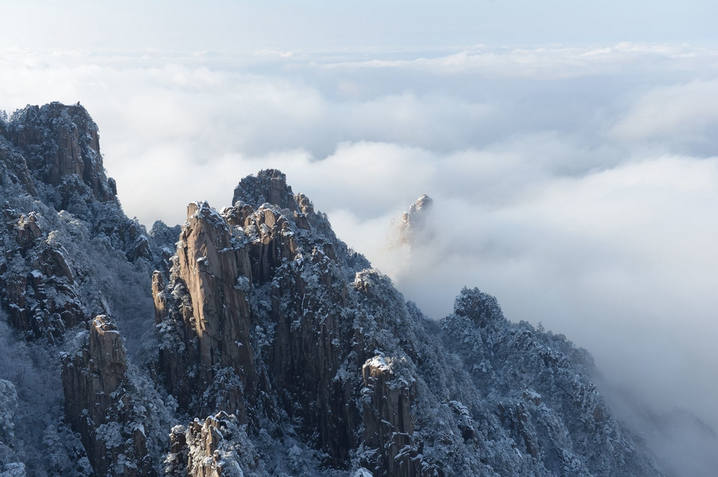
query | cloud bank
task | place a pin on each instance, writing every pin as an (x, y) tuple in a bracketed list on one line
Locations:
[(578, 185)]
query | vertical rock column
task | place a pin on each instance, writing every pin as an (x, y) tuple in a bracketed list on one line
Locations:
[(388, 423), (210, 266), (205, 310), (98, 404)]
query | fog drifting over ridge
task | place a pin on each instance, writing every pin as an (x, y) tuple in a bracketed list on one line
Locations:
[(578, 185)]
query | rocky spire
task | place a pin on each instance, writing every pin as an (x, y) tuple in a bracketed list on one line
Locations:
[(99, 404), (388, 421), (211, 268), (59, 142), (414, 225), (217, 447)]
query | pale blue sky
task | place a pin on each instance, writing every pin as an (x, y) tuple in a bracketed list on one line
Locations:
[(331, 25)]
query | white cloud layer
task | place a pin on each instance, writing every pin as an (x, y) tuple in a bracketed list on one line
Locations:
[(578, 185)]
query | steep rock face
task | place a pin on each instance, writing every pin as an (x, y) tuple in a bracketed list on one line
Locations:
[(100, 406), (210, 267), (10, 465), (220, 260), (163, 242), (209, 309), (60, 142), (413, 224), (53, 153), (39, 286), (269, 186), (387, 415), (282, 274), (50, 161), (70, 253)]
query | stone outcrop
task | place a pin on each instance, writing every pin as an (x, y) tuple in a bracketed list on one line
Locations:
[(211, 268), (59, 142), (99, 403), (27, 230), (176, 461), (205, 307), (14, 171), (209, 310), (541, 393), (215, 447), (388, 422), (414, 224), (220, 259), (50, 161), (53, 153), (163, 242), (10, 465), (282, 274), (38, 284), (269, 186)]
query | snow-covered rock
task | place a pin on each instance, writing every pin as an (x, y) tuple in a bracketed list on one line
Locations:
[(100, 403), (413, 225), (272, 348)]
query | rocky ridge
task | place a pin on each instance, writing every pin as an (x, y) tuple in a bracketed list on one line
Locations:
[(273, 348), (69, 255), (385, 396)]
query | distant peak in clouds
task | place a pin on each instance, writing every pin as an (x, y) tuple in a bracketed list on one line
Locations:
[(413, 223)]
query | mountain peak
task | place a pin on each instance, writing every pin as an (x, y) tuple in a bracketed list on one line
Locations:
[(414, 222), (60, 142), (268, 185)]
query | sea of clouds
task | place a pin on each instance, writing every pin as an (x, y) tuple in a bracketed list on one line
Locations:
[(578, 185)]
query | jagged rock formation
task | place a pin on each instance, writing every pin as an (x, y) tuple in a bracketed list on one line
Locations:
[(335, 355), (388, 423), (413, 223), (537, 386), (211, 302), (162, 240), (61, 146), (274, 348), (69, 253), (39, 285), (100, 405), (217, 447), (50, 161)]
